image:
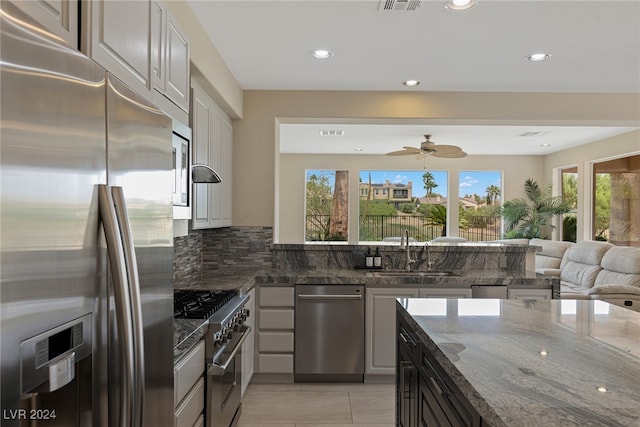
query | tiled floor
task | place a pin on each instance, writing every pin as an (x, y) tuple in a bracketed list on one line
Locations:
[(318, 405)]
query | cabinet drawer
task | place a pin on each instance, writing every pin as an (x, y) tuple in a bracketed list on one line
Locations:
[(276, 297), (187, 371), (274, 318), (275, 341), (275, 363), (529, 293), (191, 407)]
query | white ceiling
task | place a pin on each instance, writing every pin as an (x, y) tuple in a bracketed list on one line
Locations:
[(594, 47)]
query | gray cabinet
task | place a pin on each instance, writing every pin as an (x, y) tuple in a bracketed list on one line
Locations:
[(249, 347), (380, 328), (60, 17), (212, 144), (275, 330), (189, 387)]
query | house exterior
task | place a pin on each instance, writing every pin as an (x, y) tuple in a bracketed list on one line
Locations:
[(393, 192)]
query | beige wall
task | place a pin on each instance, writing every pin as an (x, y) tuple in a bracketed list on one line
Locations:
[(583, 157), (255, 160), (207, 66)]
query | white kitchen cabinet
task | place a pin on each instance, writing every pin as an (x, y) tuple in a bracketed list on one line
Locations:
[(188, 386), (141, 43), (537, 294), (275, 329), (212, 144), (170, 75), (444, 293), (60, 17), (380, 328), (118, 38), (249, 346)]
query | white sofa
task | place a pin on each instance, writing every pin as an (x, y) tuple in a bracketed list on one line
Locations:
[(619, 280), (579, 268), (548, 259)]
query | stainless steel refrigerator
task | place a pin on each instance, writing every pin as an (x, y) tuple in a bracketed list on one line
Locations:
[(84, 341)]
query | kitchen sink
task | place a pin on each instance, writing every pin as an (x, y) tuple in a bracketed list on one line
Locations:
[(403, 273)]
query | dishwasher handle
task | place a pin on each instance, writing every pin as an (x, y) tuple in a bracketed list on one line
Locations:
[(330, 297)]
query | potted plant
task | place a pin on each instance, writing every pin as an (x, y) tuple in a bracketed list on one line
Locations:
[(531, 217)]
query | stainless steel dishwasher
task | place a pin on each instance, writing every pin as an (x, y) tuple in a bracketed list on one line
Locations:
[(329, 333)]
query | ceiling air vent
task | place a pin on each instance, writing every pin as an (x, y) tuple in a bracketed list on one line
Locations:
[(399, 4)]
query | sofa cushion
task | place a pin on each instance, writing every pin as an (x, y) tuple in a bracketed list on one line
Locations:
[(551, 248), (570, 291), (623, 259), (581, 275), (615, 290), (589, 252)]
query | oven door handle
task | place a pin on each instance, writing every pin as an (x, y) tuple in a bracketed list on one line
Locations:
[(219, 369)]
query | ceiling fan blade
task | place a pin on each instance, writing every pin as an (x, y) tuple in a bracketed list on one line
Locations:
[(446, 148), (405, 152), (454, 155)]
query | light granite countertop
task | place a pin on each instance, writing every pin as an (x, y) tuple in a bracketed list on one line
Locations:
[(543, 363)]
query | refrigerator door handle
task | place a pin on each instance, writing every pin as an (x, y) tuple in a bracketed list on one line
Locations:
[(136, 302), (124, 318)]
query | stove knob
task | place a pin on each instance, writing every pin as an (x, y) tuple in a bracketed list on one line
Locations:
[(229, 333)]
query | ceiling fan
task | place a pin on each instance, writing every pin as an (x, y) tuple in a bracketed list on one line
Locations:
[(429, 148)]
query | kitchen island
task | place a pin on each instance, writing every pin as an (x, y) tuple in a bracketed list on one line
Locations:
[(518, 362)]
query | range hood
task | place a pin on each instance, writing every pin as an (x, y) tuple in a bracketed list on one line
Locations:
[(203, 174)]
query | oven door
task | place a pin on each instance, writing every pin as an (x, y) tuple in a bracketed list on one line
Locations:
[(223, 382)]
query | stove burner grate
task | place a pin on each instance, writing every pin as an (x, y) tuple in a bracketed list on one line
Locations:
[(197, 304)]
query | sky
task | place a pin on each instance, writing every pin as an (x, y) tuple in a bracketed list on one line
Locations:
[(471, 182)]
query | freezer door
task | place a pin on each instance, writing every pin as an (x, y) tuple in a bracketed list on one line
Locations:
[(52, 152), (139, 141)]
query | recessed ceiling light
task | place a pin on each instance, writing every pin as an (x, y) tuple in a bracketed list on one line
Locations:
[(543, 352), (411, 83), (538, 57), (545, 145), (533, 133), (602, 389), (358, 149), (460, 4), (331, 132), (322, 54)]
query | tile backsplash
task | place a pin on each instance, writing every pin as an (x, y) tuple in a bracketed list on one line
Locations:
[(227, 250)]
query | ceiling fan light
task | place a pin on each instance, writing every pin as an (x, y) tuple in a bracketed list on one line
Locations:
[(458, 5)]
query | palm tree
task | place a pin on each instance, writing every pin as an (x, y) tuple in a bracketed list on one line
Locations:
[(531, 217), (437, 215), (493, 192), (429, 183)]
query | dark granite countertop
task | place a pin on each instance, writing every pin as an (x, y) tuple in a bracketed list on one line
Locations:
[(524, 363), (188, 332)]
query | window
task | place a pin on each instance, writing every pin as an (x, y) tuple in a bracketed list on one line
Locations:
[(616, 201), (394, 201), (327, 205), (479, 205), (570, 197)]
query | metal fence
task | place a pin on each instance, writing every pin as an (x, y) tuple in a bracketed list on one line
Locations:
[(375, 228)]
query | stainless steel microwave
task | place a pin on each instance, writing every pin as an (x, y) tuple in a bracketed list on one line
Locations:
[(181, 170)]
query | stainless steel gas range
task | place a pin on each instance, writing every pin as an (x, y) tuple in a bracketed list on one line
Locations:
[(226, 332)]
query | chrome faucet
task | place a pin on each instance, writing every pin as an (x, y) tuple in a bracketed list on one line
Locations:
[(427, 245), (404, 244)]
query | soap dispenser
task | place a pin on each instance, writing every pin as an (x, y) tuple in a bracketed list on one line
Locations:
[(368, 259), (377, 259)]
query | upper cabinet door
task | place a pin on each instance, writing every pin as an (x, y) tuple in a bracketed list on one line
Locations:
[(58, 16), (177, 64), (118, 39), (158, 35)]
